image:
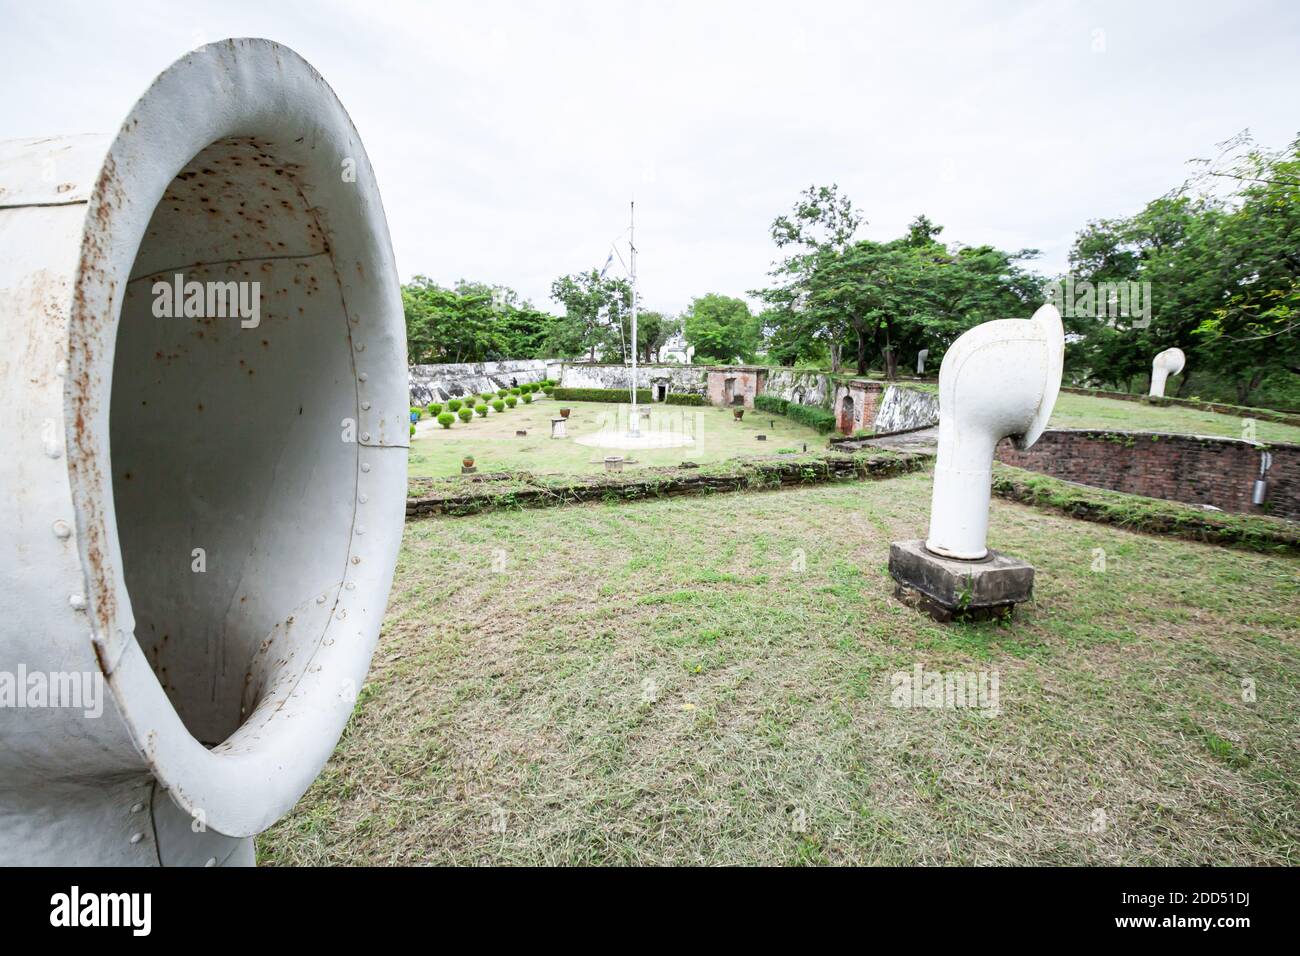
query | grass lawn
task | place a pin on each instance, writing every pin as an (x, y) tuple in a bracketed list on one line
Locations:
[(1085, 411), (659, 682), (437, 452)]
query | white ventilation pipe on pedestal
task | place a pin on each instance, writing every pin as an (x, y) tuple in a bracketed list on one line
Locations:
[(1169, 362), (203, 477), (997, 380)]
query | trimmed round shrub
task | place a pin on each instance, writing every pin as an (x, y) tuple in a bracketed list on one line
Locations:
[(511, 401), (454, 405), (466, 414), (445, 419), (502, 392), (515, 391), (499, 405), (434, 409), (527, 397), (485, 396), (547, 388), (481, 411), (412, 429)]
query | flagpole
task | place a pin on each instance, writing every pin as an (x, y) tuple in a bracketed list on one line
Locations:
[(634, 430)]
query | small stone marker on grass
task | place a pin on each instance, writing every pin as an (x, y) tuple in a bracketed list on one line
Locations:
[(558, 428)]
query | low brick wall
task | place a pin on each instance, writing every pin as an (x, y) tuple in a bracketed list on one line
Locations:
[(1189, 468)]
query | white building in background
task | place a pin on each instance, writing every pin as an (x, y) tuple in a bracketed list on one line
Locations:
[(676, 349)]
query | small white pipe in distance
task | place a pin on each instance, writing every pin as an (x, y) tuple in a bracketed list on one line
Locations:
[(1169, 362)]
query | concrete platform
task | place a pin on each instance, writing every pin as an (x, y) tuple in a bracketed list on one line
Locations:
[(948, 589), (647, 439)]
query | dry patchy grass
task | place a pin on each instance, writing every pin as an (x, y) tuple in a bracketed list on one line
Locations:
[(659, 683)]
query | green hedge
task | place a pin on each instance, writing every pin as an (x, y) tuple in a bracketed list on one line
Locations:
[(685, 398), (814, 416), (599, 395)]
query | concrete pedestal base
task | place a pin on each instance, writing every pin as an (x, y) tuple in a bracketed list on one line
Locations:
[(948, 589)]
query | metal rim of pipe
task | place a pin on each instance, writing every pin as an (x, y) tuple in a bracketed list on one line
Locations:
[(277, 449)]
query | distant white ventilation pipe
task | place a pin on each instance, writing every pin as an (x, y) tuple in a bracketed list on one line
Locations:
[(1260, 492), (200, 507), (997, 380), (921, 356), (1169, 362)]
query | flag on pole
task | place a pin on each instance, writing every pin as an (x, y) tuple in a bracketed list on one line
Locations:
[(608, 262)]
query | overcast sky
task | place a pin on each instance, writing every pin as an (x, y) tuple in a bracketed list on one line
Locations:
[(508, 137)]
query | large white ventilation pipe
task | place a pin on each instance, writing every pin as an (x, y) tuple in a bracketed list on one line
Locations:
[(1169, 362), (201, 514), (997, 380)]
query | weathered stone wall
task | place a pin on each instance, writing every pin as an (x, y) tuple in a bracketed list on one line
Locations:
[(437, 383), (678, 378), (1188, 468), (900, 408), (795, 385), (801, 387), (903, 409)]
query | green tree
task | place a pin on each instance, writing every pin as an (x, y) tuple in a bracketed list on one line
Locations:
[(721, 329), (1220, 255), (820, 225), (1158, 246), (594, 307), (472, 322), (889, 298), (1254, 330), (653, 329)]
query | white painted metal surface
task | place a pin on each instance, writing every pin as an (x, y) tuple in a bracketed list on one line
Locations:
[(201, 514), (1169, 362), (998, 380)]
